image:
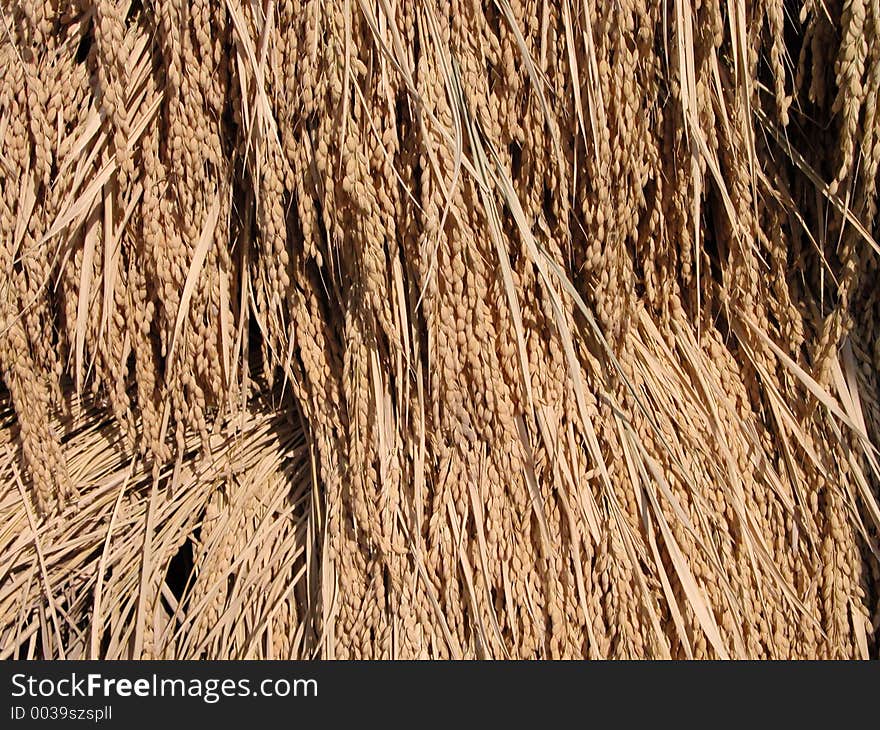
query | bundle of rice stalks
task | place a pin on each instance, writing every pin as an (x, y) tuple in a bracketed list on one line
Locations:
[(474, 328)]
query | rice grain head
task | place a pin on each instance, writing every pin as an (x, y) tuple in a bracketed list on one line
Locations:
[(439, 330)]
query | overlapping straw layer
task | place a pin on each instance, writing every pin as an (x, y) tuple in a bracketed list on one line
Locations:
[(383, 328)]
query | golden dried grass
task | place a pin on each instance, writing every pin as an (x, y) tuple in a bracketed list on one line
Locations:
[(439, 329)]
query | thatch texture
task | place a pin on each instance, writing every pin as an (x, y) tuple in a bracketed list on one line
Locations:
[(384, 328)]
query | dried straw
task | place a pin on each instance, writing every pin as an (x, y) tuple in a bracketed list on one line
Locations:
[(439, 329)]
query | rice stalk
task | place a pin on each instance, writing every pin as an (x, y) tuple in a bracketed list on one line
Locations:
[(501, 329)]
